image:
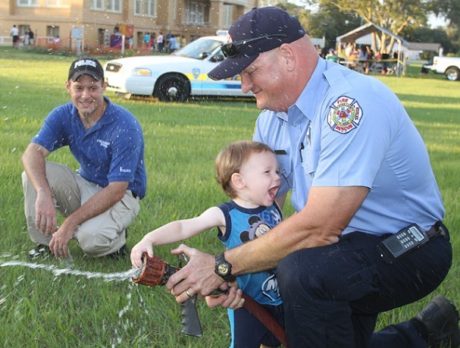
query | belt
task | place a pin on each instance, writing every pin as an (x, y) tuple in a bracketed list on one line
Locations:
[(438, 229)]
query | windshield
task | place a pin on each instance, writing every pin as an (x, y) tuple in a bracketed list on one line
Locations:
[(198, 49)]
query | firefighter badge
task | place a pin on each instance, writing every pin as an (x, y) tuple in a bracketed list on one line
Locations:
[(344, 115)]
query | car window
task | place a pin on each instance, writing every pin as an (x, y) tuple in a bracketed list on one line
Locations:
[(198, 49)]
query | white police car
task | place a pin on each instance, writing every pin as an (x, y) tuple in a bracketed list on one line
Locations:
[(174, 77)]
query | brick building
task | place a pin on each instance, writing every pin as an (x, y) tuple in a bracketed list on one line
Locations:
[(93, 24)]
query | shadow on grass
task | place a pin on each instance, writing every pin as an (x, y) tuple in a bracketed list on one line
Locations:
[(436, 100)]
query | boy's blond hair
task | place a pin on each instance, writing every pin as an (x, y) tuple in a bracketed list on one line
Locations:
[(230, 160)]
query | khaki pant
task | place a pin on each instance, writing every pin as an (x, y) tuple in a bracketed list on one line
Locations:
[(99, 236)]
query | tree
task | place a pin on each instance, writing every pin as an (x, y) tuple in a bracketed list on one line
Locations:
[(298, 11), (424, 34), (330, 22), (448, 8), (451, 10), (327, 22), (394, 15)]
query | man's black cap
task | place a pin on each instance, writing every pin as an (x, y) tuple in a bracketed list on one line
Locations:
[(86, 66), (272, 25)]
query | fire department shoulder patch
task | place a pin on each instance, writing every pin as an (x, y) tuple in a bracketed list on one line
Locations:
[(344, 115)]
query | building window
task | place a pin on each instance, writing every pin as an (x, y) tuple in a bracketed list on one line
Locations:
[(173, 4), (57, 3), (103, 37), (196, 12), (227, 16), (138, 7), (113, 5), (52, 30), (151, 8), (27, 3), (97, 4), (52, 33), (145, 8), (107, 5)]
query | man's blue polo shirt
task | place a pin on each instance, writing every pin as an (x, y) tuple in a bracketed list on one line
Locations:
[(111, 150)]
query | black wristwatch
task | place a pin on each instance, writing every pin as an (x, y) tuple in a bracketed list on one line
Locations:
[(224, 268)]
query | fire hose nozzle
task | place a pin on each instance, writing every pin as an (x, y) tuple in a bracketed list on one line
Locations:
[(154, 271)]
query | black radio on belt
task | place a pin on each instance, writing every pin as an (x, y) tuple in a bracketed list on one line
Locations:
[(398, 244)]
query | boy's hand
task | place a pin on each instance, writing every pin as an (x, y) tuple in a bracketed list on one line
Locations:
[(138, 250)]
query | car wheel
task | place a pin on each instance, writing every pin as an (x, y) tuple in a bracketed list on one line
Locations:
[(172, 87), (452, 73)]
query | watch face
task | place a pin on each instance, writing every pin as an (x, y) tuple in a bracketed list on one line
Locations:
[(223, 269)]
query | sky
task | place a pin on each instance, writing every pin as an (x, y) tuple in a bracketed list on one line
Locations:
[(436, 21)]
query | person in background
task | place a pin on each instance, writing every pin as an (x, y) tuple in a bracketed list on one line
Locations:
[(101, 199), (26, 41), (363, 59), (57, 41), (248, 173), (14, 33), (152, 41), (363, 188), (385, 58), (166, 41), (147, 40), (172, 43), (160, 42), (31, 37), (332, 55)]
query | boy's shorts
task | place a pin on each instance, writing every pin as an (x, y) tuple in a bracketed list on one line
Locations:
[(249, 332)]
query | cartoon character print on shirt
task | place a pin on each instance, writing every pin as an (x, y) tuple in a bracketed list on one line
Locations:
[(260, 224), (344, 115), (257, 228)]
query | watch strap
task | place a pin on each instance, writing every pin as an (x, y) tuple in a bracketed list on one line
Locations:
[(224, 268)]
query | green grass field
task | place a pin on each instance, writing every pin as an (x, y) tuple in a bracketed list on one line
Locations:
[(39, 309)]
